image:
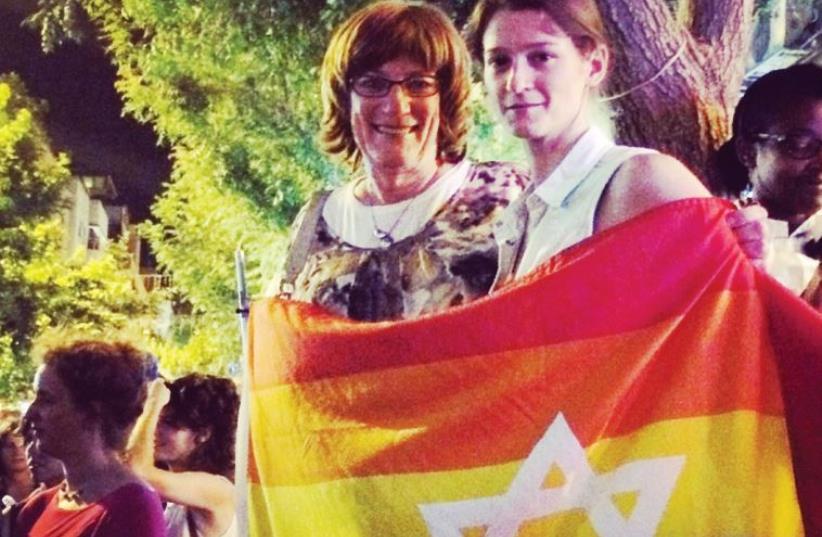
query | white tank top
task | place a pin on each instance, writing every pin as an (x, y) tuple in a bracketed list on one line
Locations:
[(561, 209), (177, 522), (354, 222)]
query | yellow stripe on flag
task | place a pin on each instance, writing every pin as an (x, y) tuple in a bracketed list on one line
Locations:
[(736, 480), (393, 420)]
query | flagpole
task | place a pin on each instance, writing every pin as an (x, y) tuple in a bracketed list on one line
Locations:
[(241, 446)]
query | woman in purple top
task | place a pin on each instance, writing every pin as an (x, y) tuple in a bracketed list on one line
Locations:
[(88, 396)]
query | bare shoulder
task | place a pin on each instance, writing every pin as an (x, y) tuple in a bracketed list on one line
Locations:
[(644, 182)]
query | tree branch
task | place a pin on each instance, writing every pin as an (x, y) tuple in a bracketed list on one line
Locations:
[(685, 110), (723, 29), (643, 33)]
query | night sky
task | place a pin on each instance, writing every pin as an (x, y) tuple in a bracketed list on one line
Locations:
[(84, 117)]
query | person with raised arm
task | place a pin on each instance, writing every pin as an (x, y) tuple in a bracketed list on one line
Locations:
[(188, 428)]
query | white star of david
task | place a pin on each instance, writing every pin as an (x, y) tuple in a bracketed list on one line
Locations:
[(526, 499)]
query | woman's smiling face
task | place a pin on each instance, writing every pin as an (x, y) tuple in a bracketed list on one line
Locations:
[(396, 131), (538, 79)]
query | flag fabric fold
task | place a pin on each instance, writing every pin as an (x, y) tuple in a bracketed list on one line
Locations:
[(648, 381)]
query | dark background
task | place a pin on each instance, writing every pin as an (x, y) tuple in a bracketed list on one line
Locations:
[(85, 112)]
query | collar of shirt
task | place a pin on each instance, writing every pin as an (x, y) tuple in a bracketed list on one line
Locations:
[(576, 165), (810, 229)]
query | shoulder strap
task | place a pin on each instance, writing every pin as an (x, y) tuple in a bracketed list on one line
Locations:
[(303, 241)]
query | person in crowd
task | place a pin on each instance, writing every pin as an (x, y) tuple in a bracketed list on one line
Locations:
[(46, 470), (543, 64), (189, 428), (16, 481), (775, 157), (88, 396), (412, 232)]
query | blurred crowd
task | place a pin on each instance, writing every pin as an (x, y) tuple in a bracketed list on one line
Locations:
[(108, 449)]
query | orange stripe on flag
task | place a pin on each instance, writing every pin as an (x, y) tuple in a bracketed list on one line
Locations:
[(657, 322), (392, 415)]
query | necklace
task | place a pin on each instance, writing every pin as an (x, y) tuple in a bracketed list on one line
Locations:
[(386, 236), (74, 496)]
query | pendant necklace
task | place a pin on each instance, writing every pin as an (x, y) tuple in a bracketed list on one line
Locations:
[(385, 236), (74, 496)]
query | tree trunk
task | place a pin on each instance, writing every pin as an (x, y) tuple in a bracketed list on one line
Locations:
[(678, 85)]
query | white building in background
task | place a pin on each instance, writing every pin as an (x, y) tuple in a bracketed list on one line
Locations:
[(92, 221), (86, 217), (75, 214), (97, 229)]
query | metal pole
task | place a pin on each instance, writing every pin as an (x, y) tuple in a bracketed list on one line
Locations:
[(241, 447)]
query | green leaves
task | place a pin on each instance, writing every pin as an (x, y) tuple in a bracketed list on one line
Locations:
[(30, 182), (39, 290), (233, 86)]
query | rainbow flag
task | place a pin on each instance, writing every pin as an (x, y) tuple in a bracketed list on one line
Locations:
[(648, 381)]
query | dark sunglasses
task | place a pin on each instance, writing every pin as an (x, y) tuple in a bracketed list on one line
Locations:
[(799, 145)]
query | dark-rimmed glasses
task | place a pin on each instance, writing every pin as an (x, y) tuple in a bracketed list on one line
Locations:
[(378, 86), (798, 145)]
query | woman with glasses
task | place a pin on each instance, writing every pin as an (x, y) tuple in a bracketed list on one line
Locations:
[(775, 157), (411, 231)]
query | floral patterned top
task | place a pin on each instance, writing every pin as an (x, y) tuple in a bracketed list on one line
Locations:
[(451, 261)]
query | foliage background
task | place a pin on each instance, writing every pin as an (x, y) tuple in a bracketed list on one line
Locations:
[(39, 290), (232, 86)]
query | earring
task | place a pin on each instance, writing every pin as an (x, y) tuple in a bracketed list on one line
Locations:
[(748, 195)]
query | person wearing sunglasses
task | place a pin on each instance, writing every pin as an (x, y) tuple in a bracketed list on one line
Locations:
[(777, 139)]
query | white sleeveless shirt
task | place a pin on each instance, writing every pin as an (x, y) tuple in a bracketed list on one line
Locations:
[(177, 522), (355, 222), (562, 207)]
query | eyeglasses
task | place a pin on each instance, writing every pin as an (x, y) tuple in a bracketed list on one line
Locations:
[(378, 86), (798, 145)]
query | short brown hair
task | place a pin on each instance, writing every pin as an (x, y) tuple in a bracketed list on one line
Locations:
[(106, 382), (382, 32), (206, 403), (580, 19)]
